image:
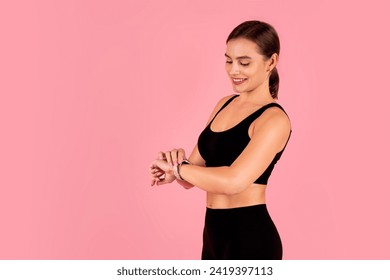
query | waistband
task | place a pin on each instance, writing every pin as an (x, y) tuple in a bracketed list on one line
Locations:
[(236, 210)]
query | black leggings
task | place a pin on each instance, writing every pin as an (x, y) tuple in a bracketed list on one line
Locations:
[(243, 233)]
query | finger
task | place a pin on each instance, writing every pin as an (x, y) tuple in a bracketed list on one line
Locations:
[(161, 182), (155, 170), (156, 181), (161, 155), (168, 158), (154, 165), (153, 181), (174, 156), (159, 174), (181, 155)]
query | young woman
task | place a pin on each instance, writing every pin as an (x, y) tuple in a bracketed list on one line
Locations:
[(245, 136)]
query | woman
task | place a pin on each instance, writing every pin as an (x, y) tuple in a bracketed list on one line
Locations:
[(245, 136)]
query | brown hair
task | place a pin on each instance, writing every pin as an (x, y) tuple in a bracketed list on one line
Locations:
[(267, 40)]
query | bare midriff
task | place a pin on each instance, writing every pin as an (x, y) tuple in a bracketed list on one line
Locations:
[(253, 195)]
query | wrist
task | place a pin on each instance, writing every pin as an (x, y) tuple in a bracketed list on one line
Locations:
[(176, 169)]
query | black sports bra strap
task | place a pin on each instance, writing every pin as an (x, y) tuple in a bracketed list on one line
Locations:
[(223, 106), (260, 111), (272, 104)]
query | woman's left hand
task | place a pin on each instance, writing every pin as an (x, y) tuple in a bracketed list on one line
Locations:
[(161, 172), (174, 156)]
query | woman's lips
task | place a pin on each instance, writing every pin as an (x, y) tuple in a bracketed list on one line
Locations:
[(237, 81)]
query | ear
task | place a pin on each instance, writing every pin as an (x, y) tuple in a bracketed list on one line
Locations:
[(272, 62)]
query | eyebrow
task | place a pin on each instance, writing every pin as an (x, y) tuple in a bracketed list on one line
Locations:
[(240, 57)]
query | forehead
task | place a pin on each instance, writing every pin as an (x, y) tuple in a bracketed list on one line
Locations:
[(241, 47)]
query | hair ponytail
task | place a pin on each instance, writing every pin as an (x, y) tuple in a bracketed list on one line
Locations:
[(274, 83)]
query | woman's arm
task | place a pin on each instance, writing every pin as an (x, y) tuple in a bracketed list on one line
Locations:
[(176, 156), (269, 136)]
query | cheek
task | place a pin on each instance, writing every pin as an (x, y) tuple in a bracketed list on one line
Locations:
[(257, 73), (228, 67), (251, 73)]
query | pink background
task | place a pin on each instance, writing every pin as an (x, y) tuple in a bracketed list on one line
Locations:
[(92, 90)]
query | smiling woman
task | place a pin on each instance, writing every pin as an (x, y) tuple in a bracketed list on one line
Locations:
[(245, 136)]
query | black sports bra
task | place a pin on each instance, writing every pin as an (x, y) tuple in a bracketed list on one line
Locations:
[(222, 148)]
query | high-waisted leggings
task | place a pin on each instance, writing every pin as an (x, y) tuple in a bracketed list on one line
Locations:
[(243, 233)]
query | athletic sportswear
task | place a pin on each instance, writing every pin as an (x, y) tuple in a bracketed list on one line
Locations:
[(242, 233), (222, 148)]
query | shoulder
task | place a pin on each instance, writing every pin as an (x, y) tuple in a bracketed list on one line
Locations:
[(222, 101), (273, 121), (274, 115), (219, 105)]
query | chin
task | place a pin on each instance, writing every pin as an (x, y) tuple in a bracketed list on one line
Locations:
[(238, 90)]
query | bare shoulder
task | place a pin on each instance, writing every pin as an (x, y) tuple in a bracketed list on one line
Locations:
[(274, 116), (222, 101), (219, 105), (275, 123)]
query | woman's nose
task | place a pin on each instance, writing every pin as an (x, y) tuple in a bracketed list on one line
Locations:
[(234, 70)]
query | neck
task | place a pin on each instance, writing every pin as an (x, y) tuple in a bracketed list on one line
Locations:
[(259, 96)]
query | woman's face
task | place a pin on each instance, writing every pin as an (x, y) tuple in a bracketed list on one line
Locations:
[(247, 69)]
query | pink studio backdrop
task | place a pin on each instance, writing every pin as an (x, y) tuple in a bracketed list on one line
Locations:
[(92, 90)]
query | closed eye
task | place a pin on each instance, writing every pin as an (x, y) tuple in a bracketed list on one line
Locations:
[(243, 64)]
